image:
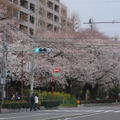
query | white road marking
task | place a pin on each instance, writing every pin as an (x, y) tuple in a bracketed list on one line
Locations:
[(108, 111), (101, 112), (23, 116), (117, 111)]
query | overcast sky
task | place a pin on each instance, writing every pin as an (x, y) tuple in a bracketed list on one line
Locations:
[(99, 11)]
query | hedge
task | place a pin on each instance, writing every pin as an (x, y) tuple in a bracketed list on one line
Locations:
[(15, 105), (97, 101), (49, 104)]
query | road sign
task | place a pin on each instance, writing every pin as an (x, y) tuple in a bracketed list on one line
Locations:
[(28, 66), (56, 70), (56, 74)]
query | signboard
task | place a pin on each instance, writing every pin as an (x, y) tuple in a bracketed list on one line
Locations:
[(56, 74), (28, 67), (56, 70)]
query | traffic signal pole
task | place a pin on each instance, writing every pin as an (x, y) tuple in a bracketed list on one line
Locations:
[(52, 87), (34, 45)]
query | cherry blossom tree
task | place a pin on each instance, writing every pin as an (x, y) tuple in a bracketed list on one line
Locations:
[(83, 57)]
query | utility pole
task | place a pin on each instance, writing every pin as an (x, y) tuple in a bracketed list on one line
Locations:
[(34, 44), (3, 77), (108, 22), (22, 78), (91, 23)]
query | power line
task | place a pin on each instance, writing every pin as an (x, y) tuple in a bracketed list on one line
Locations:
[(83, 38), (100, 2), (109, 22), (81, 45)]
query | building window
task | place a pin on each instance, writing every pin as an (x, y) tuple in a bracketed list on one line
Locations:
[(31, 31), (32, 19), (42, 12), (43, 2), (57, 0), (23, 28), (15, 12), (64, 12), (50, 16), (15, 1), (56, 29), (63, 24), (50, 5), (56, 19), (42, 24), (23, 16), (10, 0), (32, 7), (57, 8), (50, 27), (24, 3)]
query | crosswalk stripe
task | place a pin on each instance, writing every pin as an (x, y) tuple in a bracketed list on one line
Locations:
[(117, 111), (81, 111)]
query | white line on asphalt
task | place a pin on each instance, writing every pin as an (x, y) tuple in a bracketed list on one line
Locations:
[(117, 111), (23, 116), (108, 111), (82, 116), (92, 114)]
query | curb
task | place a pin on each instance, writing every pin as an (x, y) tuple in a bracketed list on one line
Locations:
[(4, 110)]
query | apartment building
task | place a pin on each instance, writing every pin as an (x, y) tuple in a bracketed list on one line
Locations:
[(51, 15)]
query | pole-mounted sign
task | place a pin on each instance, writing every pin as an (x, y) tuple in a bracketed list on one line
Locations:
[(56, 72)]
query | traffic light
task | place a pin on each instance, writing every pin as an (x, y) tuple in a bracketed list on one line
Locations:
[(42, 50)]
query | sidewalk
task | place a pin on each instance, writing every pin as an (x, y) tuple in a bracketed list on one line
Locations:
[(99, 104), (3, 110)]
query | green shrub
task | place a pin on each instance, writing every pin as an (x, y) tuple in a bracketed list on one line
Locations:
[(63, 98), (6, 105), (15, 105), (49, 104)]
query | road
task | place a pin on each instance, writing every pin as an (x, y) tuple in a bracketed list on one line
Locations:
[(79, 113)]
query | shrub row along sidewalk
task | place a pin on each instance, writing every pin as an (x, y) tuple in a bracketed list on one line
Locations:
[(19, 107)]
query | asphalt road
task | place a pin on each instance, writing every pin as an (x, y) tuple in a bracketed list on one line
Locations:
[(79, 113)]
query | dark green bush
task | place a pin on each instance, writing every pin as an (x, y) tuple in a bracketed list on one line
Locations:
[(15, 105), (49, 104), (6, 105), (97, 101)]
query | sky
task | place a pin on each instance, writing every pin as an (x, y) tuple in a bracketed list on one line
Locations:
[(99, 11)]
